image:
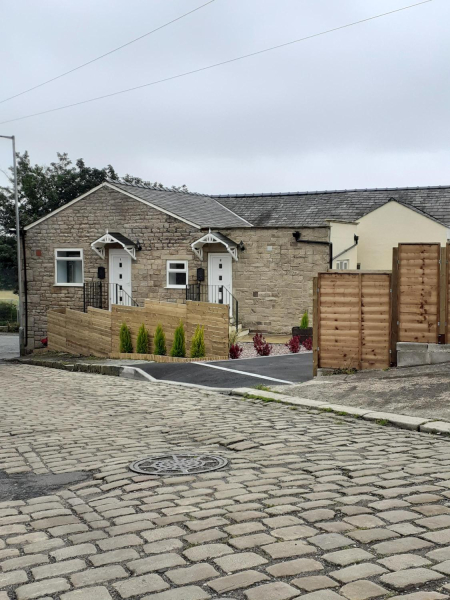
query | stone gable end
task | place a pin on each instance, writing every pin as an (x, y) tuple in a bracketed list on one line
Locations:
[(161, 236)]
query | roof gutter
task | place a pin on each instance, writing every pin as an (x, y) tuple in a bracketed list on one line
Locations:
[(297, 237)]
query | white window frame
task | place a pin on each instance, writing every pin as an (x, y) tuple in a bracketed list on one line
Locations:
[(340, 263), (169, 270), (57, 258)]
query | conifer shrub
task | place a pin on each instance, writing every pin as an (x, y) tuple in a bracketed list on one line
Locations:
[(125, 345), (179, 342), (143, 341), (160, 341), (198, 343), (304, 323)]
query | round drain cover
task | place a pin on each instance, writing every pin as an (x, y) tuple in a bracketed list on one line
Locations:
[(178, 464)]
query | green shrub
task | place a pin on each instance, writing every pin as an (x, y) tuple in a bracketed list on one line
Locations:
[(304, 323), (142, 342), (8, 312), (179, 342), (198, 343), (125, 344), (160, 341)]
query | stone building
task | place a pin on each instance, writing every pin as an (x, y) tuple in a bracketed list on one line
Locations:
[(122, 243)]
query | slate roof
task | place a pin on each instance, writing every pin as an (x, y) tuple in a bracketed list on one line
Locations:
[(199, 209), (313, 209)]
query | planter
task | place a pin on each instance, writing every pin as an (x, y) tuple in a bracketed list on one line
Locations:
[(164, 359), (303, 334)]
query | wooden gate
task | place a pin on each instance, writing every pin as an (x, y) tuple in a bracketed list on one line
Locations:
[(419, 292), (352, 316)]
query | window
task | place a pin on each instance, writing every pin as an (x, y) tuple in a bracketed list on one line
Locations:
[(177, 273), (69, 267), (342, 264)]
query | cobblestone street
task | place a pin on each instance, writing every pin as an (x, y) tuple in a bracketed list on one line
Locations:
[(312, 505)]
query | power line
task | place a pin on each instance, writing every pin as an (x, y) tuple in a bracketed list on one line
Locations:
[(225, 62), (106, 53)]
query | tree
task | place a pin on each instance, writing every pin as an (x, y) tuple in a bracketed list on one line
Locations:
[(43, 189)]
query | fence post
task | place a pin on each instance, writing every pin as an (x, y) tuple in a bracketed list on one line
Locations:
[(394, 309), (360, 340), (443, 297), (316, 361)]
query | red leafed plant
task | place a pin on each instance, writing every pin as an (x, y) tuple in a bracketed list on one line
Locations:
[(236, 351), (44, 341), (294, 344), (261, 346), (308, 344)]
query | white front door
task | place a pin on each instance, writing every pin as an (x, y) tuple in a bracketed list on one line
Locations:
[(220, 279), (119, 278)]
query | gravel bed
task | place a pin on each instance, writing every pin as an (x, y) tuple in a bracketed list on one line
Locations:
[(277, 350)]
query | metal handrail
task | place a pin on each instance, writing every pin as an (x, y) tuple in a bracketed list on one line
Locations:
[(117, 295), (99, 294), (215, 294)]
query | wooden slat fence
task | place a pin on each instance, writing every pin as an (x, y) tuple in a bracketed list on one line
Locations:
[(77, 332), (360, 316), (418, 294), (97, 331), (352, 320)]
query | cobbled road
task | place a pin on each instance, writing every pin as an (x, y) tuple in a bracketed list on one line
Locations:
[(312, 505)]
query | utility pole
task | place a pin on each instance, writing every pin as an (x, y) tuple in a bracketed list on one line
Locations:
[(19, 259)]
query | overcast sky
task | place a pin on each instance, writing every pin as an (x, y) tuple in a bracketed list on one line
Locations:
[(367, 106)]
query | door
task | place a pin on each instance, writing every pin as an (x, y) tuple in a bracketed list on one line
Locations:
[(220, 279), (119, 278)]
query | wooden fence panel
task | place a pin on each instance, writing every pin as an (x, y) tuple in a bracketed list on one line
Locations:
[(418, 292), (339, 326), (375, 321), (352, 320)]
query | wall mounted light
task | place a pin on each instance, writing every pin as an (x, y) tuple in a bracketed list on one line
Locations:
[(297, 235), (241, 246), (138, 245)]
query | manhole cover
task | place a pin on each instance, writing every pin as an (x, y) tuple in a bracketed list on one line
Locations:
[(178, 464)]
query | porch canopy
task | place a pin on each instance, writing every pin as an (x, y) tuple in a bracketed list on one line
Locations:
[(114, 238), (214, 237)]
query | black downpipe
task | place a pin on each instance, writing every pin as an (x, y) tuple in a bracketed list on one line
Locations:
[(25, 285)]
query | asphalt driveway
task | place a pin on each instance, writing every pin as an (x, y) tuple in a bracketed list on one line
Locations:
[(9, 346), (271, 370)]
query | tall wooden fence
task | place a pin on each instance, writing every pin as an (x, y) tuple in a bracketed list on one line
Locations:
[(360, 316), (352, 320), (421, 292)]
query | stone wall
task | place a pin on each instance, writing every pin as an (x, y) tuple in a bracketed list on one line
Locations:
[(162, 237), (273, 278)]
